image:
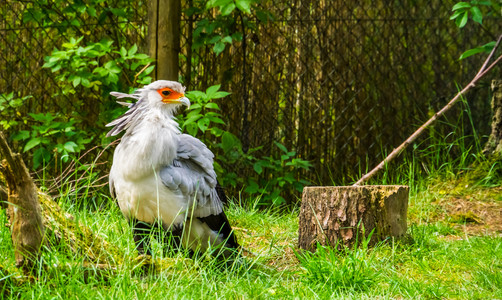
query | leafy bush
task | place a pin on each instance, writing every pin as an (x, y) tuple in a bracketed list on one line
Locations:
[(87, 66), (52, 135), (476, 10), (97, 66), (230, 19), (9, 105), (203, 112)]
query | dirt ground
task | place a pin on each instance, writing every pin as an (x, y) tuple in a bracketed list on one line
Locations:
[(479, 213)]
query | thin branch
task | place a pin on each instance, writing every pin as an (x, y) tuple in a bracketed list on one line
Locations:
[(482, 72)]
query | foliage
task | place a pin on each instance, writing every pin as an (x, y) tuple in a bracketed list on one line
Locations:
[(230, 18), (277, 177), (80, 66), (273, 177), (203, 112), (86, 66), (95, 66), (476, 10), (52, 134), (9, 105), (71, 14), (88, 61)]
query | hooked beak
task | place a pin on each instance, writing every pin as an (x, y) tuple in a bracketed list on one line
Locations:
[(184, 100), (181, 100)]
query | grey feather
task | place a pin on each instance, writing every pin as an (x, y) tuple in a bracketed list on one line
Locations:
[(192, 174), (123, 122)]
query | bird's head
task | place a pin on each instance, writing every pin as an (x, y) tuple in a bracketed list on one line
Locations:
[(165, 94), (161, 95)]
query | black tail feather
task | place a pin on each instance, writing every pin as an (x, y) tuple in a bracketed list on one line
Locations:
[(219, 223)]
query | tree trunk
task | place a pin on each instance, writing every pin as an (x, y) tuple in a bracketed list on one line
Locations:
[(494, 145), (164, 37), (23, 208), (344, 216)]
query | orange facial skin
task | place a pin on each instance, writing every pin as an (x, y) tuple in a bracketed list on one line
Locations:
[(169, 96)]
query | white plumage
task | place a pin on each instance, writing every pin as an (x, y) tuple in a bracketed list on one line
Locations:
[(159, 174)]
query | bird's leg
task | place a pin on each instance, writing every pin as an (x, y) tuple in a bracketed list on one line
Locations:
[(141, 234), (173, 237)]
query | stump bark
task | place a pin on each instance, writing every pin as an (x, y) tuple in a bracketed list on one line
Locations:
[(23, 208), (36, 219), (344, 216), (494, 144)]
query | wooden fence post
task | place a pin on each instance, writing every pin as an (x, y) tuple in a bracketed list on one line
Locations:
[(164, 37)]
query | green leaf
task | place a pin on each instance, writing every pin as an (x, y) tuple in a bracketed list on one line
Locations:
[(456, 14), (123, 52), (215, 3), (70, 147), (281, 146), (477, 16), (229, 141), (216, 120), (194, 95), (463, 20), (32, 143), (192, 128), (257, 167), (203, 124), (21, 135), (227, 9), (485, 48), (219, 94), (461, 5), (121, 12), (252, 187), (212, 90), (279, 200), (244, 5), (195, 106), (132, 50), (471, 52), (76, 81), (141, 56), (86, 82), (40, 156), (218, 47), (149, 70), (191, 119), (227, 39), (212, 105)]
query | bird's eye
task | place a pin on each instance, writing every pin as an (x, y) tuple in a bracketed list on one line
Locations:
[(166, 93)]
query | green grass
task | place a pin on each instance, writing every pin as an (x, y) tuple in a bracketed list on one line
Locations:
[(433, 266), (441, 262)]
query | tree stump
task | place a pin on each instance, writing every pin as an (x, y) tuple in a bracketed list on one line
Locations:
[(344, 216), (23, 208), (494, 145)]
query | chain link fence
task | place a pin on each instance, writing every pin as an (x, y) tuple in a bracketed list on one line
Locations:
[(344, 82), (339, 82)]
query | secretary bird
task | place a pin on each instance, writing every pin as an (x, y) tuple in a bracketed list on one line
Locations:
[(163, 179)]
